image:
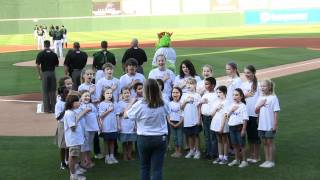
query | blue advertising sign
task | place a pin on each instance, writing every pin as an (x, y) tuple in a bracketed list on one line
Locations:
[(288, 16)]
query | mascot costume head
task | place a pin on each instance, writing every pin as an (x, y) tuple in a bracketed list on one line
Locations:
[(163, 47)]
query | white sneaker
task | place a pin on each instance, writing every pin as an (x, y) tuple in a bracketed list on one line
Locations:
[(190, 154), (223, 161), (107, 160), (113, 160), (197, 154), (234, 162), (80, 171), (98, 156), (243, 164), (264, 164), (270, 164), (217, 161), (77, 177)]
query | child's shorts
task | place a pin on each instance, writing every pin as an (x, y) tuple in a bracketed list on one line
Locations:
[(60, 135), (88, 141), (191, 131), (235, 135), (74, 151), (108, 136), (266, 134), (123, 137)]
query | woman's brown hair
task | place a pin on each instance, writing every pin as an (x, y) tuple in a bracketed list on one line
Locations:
[(152, 93)]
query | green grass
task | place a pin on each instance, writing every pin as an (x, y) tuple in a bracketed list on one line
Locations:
[(296, 143), (17, 80), (178, 34)]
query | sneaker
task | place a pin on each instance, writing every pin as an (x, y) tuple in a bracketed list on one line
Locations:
[(98, 156), (63, 166), (234, 162), (113, 160), (190, 154), (197, 154), (107, 160), (173, 155), (269, 164), (264, 164), (80, 170), (77, 177), (217, 161), (223, 162), (243, 164)]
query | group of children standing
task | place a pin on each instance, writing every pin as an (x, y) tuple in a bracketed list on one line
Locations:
[(226, 113)]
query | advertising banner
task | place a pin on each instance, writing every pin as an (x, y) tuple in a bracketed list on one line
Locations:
[(106, 7), (288, 16)]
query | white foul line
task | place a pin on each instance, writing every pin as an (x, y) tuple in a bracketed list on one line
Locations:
[(23, 101)]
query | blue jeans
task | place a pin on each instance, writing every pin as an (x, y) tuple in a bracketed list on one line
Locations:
[(151, 152), (177, 135), (210, 139)]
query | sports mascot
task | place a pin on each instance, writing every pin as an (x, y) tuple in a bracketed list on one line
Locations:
[(163, 47)]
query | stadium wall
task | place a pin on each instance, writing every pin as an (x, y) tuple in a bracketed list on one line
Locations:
[(127, 22)]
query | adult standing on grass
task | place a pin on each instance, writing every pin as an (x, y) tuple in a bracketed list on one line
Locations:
[(75, 61), (57, 40), (100, 58), (150, 115), (136, 53), (46, 62)]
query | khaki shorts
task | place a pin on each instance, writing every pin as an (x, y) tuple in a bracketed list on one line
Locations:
[(60, 136), (74, 151)]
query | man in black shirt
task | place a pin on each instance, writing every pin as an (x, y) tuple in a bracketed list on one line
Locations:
[(136, 53), (75, 61), (100, 58), (46, 62)]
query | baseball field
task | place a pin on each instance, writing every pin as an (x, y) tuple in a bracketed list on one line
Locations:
[(289, 54)]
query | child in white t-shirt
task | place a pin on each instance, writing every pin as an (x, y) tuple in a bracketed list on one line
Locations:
[(90, 125), (207, 101), (87, 85), (126, 126), (191, 113), (268, 109), (108, 81), (132, 77), (233, 80), (237, 120), (74, 133), (251, 93), (109, 124), (163, 73), (175, 120), (219, 127)]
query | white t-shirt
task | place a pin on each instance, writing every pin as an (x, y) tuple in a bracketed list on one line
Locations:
[(238, 116), (58, 109), (232, 84), (104, 82), (178, 81), (73, 138), (250, 101), (168, 52), (150, 121), (158, 74), (126, 80), (206, 109), (266, 115), (109, 122), (90, 119), (218, 117), (89, 87), (191, 110), (127, 125), (175, 111)]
